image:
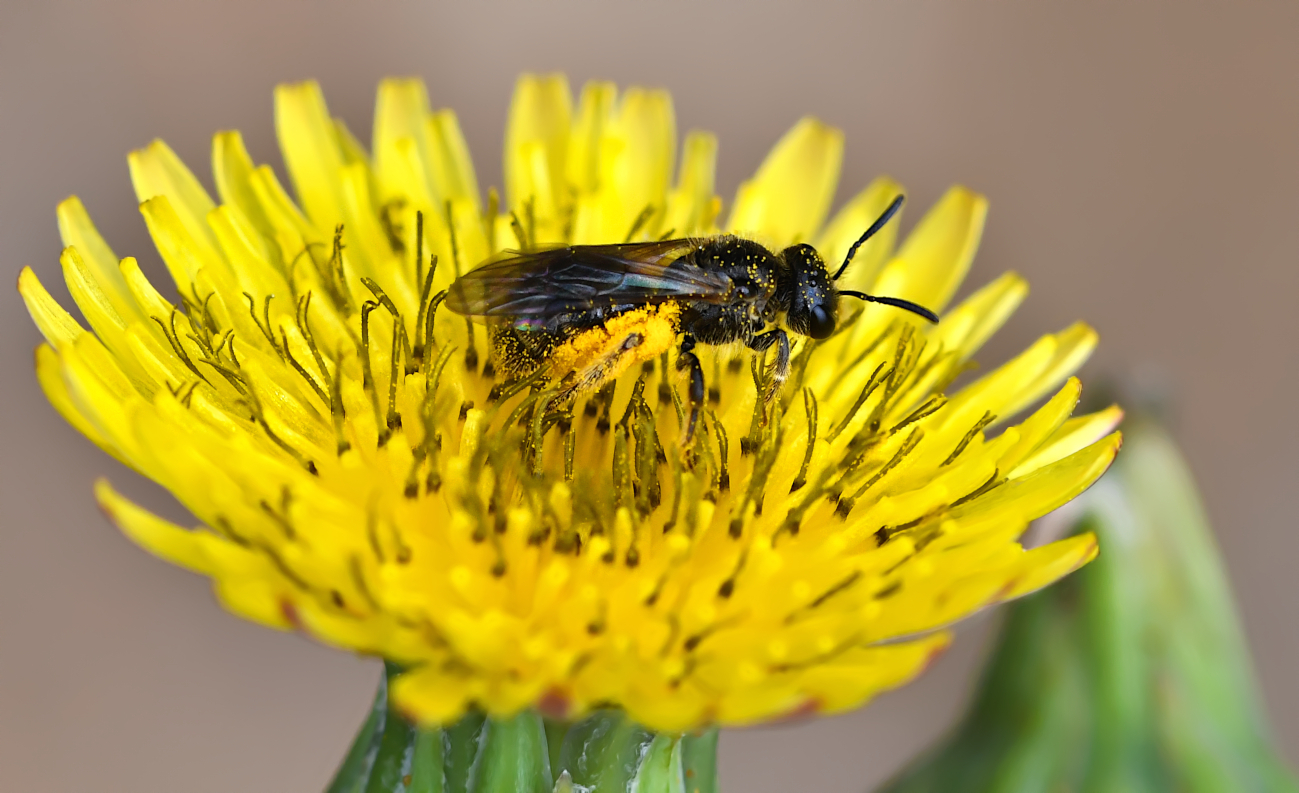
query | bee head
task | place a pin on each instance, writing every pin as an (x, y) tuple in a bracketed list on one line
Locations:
[(810, 300)]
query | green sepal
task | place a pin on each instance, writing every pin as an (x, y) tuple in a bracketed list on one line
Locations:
[(601, 752), (513, 757), (604, 752), (699, 761), (460, 751)]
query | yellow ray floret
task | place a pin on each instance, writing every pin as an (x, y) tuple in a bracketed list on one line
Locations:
[(366, 471)]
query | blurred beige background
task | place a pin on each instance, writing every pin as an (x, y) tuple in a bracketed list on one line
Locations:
[(1142, 161)]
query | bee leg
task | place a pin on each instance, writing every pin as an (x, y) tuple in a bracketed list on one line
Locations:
[(780, 371), (686, 359)]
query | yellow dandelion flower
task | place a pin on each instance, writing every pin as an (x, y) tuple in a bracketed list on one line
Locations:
[(368, 473)]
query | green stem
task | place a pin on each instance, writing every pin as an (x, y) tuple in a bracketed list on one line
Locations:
[(603, 753)]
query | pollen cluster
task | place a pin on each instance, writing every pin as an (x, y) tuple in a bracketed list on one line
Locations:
[(364, 472)]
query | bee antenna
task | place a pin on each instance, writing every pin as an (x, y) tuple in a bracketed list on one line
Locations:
[(870, 232), (896, 302)]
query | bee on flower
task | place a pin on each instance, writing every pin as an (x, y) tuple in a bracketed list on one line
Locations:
[(678, 528)]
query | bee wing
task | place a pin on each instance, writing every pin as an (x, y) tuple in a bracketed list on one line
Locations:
[(548, 283)]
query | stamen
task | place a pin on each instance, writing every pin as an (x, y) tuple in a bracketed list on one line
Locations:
[(758, 480), (398, 323), (520, 236), (636, 225), (929, 407), (471, 352), (264, 328), (336, 409), (391, 224), (978, 427), (281, 517), (367, 374), (846, 504), (570, 448), (539, 432), (728, 586), (723, 481), (820, 599), (174, 340), (393, 418), (302, 318), (873, 382), (189, 392), (311, 381), (419, 263), (810, 406)]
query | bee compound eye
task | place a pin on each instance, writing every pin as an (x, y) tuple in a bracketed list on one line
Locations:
[(820, 322)]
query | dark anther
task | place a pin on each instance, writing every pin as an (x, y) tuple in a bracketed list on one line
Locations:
[(891, 589), (633, 557), (608, 557), (494, 395), (737, 528), (337, 597), (602, 426), (665, 392), (498, 569), (590, 409), (471, 359), (311, 468), (882, 536), (844, 507), (727, 588), (647, 367), (465, 407), (434, 482), (412, 490), (733, 366), (692, 642), (747, 446), (595, 628), (714, 395), (489, 369)]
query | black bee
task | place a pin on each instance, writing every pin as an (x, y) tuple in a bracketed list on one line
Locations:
[(728, 289)]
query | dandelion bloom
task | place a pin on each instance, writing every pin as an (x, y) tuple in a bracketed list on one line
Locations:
[(366, 473)]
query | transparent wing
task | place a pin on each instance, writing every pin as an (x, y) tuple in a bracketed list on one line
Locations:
[(548, 283)]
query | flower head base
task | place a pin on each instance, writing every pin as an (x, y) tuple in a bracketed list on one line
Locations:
[(369, 472)]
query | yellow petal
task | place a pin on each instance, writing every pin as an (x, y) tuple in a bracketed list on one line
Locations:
[(937, 253), (56, 324), (232, 169), (162, 538), (540, 115), (789, 197), (849, 224), (78, 231), (1074, 434), (690, 201), (311, 152), (157, 171), (49, 372)]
